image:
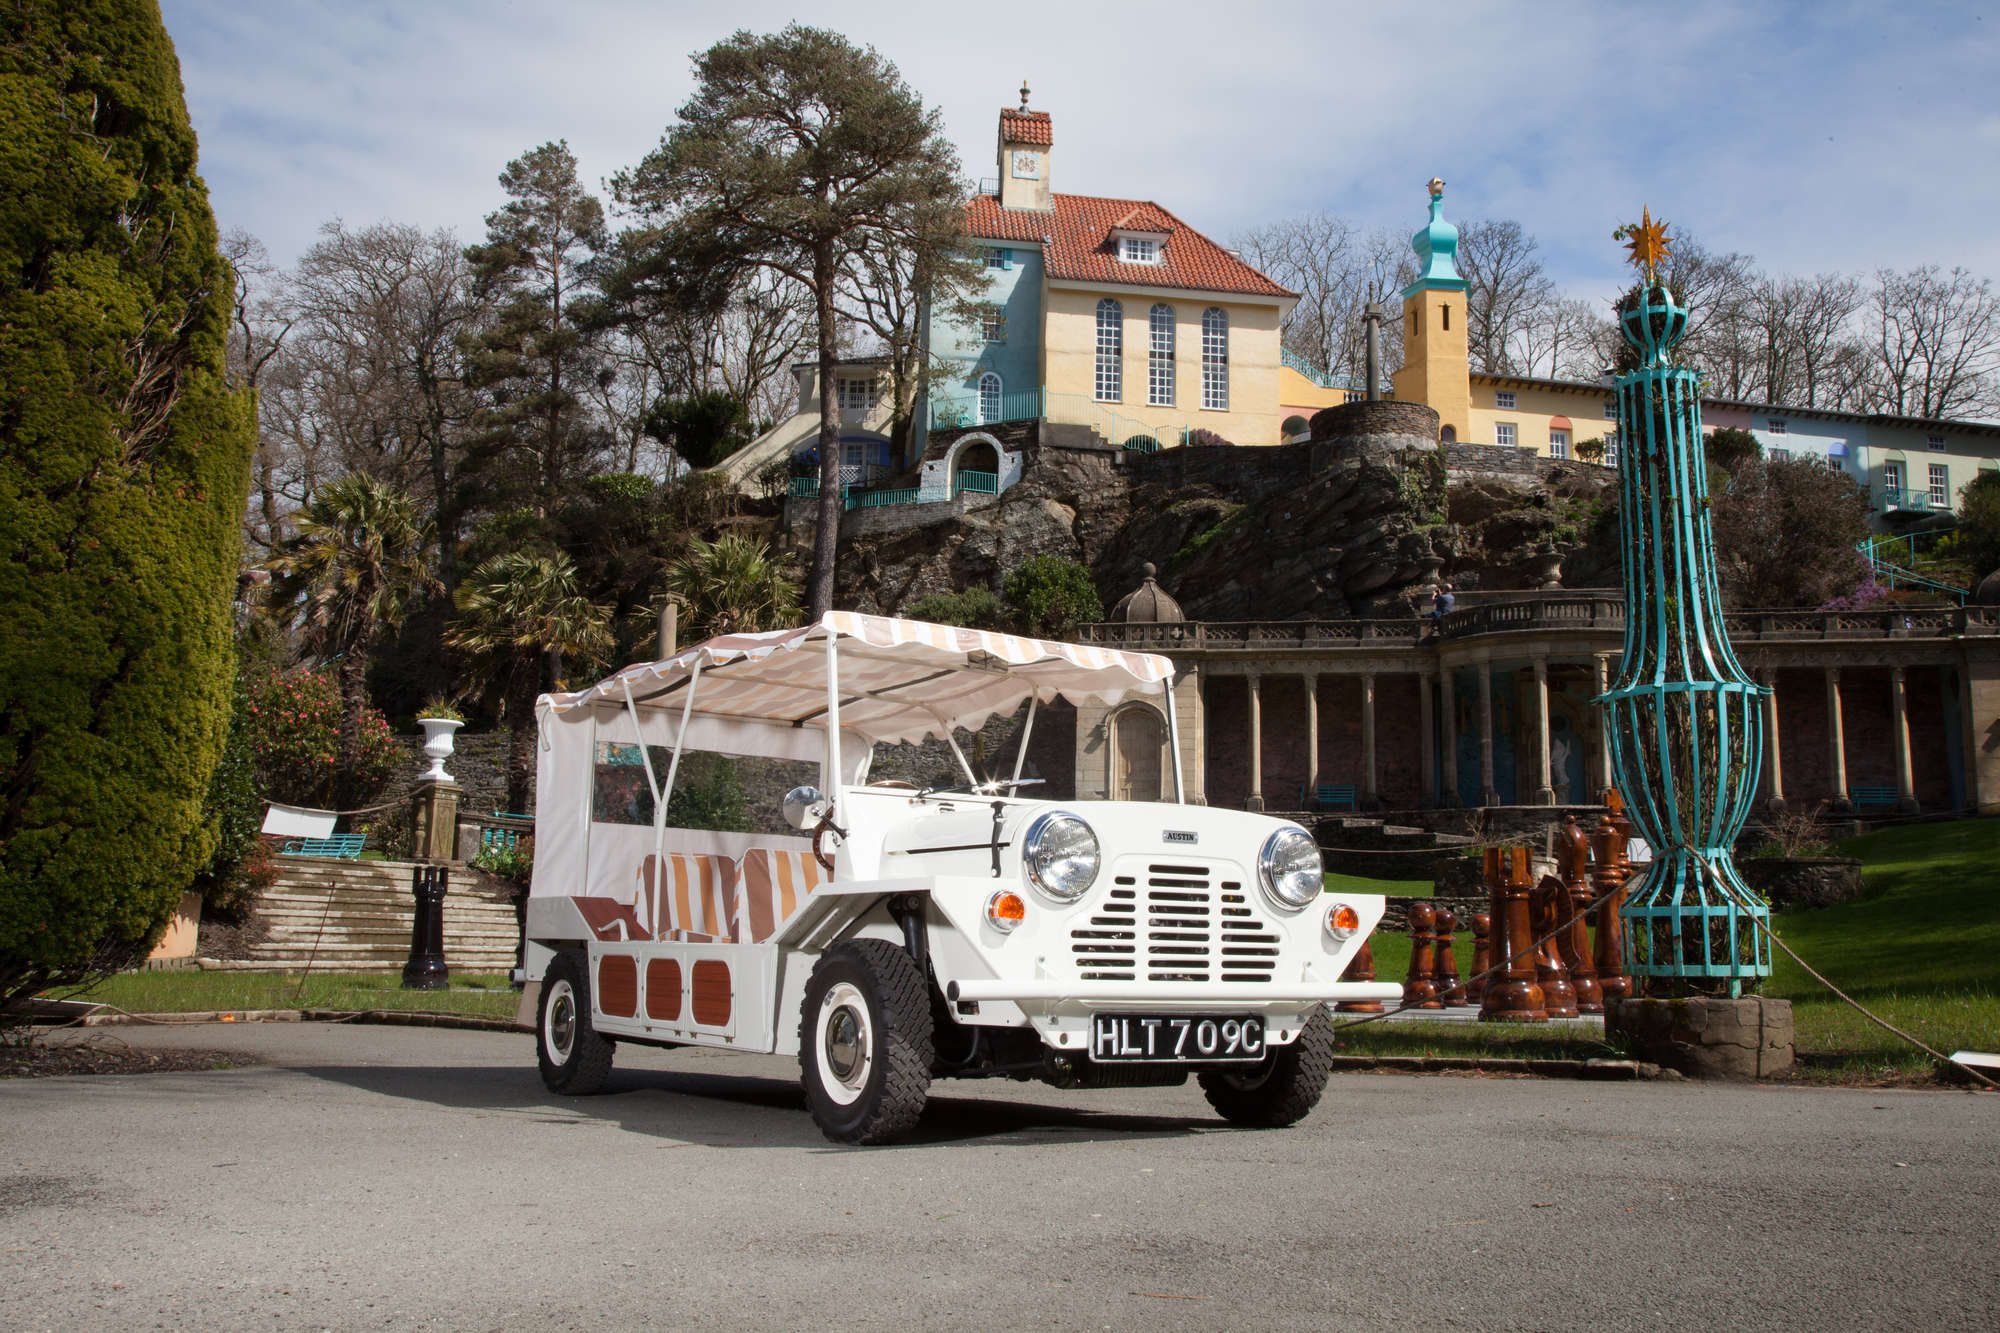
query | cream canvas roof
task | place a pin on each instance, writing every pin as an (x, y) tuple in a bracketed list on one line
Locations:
[(900, 680)]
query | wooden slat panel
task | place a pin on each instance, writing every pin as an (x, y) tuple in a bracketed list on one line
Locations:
[(618, 985), (712, 993), (663, 989)]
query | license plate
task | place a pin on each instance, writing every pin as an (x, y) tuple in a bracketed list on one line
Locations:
[(1175, 1038)]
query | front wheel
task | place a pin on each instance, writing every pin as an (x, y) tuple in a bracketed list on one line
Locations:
[(575, 1059), (865, 1047), (1282, 1087)]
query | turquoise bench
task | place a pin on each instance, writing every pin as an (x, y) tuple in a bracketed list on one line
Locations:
[(1872, 795), (343, 846), (1329, 796)]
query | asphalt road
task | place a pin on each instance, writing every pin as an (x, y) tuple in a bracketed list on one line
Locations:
[(396, 1177)]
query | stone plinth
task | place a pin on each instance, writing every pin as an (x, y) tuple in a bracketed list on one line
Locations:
[(1706, 1037), (434, 820)]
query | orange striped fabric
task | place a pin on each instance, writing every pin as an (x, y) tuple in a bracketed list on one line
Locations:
[(775, 884), (695, 896)]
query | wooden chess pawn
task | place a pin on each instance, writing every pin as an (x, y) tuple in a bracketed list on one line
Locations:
[(1482, 955), (1548, 900), (1451, 991), (1609, 878), (1419, 990), (1514, 996), (1361, 969), (1575, 938)]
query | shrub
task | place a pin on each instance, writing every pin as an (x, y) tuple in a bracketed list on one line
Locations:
[(516, 863), (975, 608), (1202, 437), (1727, 446), (294, 733), (1591, 450), (1977, 541), (241, 867), (1048, 595)]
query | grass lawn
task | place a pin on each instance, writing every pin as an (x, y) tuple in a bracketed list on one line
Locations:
[(193, 992), (1402, 888), (1921, 947)]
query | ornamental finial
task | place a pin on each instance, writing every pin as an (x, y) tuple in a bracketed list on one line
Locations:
[(1648, 242), (1437, 187), (1024, 94)]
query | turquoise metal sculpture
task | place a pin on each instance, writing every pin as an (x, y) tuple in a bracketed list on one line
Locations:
[(1683, 717)]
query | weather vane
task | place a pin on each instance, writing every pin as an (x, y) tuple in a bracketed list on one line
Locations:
[(1648, 242)]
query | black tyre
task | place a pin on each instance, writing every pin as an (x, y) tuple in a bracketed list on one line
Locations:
[(865, 1042), (1282, 1087), (575, 1058)]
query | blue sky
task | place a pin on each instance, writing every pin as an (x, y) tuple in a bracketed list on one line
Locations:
[(1815, 136)]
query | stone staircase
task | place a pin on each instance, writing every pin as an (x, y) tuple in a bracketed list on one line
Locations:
[(354, 916)]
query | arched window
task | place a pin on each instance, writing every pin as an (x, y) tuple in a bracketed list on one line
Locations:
[(1215, 359), (1295, 427), (1110, 351), (1160, 356), (989, 398)]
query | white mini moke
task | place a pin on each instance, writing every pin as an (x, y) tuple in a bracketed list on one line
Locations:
[(889, 934)]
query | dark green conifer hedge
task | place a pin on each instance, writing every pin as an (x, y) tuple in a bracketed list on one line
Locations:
[(123, 471)]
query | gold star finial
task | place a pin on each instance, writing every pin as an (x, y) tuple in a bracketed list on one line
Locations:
[(1647, 241)]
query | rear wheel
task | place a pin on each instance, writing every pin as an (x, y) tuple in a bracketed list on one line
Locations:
[(865, 1042), (574, 1058), (1282, 1087)]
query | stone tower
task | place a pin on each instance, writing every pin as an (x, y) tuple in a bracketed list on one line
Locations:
[(1027, 141), (1435, 369)]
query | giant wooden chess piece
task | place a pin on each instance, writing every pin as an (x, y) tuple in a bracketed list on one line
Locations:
[(1574, 846), (1361, 969), (1420, 991), (1514, 996), (1547, 903), (1482, 955), (1445, 972), (1609, 876)]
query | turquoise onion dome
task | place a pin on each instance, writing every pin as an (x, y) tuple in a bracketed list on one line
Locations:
[(1437, 247)]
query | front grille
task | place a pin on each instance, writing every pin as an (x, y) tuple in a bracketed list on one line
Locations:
[(1180, 924)]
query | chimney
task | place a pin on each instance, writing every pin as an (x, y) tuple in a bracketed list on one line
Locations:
[(1027, 141)]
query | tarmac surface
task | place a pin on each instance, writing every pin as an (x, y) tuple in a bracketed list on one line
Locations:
[(382, 1177)]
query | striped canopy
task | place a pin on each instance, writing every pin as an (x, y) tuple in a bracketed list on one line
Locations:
[(900, 680)]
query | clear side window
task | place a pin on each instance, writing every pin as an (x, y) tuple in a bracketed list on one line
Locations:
[(727, 793)]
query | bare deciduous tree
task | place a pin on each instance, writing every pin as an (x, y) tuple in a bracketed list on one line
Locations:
[(1506, 289), (1936, 343)]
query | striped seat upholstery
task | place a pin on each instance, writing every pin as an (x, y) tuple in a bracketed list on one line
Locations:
[(693, 900), (773, 885)]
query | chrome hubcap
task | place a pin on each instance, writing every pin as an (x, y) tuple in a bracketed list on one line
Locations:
[(843, 1044), (562, 1022)]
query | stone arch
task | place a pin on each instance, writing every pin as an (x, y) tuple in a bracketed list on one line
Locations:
[(1140, 768), (977, 452), (1294, 427)]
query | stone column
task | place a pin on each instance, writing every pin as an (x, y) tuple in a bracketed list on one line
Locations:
[(1604, 781), (1448, 714), (1487, 795), (1836, 738), (1312, 736), (1545, 790), (1899, 727), (1369, 798), (434, 821), (1255, 801), (1426, 739), (1774, 765)]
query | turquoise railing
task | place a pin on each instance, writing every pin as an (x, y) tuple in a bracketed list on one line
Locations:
[(1897, 497), (1890, 560), (804, 488), (979, 483), (1323, 378), (877, 499), (1685, 720)]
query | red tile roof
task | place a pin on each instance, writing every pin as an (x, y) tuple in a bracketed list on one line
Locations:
[(1080, 246), (1026, 127)]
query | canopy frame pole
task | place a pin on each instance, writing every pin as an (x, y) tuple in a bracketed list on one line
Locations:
[(1173, 737), (1027, 730), (833, 720), (662, 793)]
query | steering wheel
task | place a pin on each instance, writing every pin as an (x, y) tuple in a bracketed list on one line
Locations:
[(820, 854)]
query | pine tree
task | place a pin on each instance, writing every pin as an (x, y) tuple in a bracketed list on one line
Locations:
[(124, 467)]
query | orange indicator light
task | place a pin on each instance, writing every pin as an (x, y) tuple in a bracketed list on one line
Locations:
[(1006, 910)]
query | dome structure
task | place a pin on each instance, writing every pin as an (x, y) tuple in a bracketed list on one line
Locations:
[(1148, 604), (1437, 249)]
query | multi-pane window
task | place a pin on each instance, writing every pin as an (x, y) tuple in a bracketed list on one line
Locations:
[(1611, 409), (1777, 427), (989, 398), (993, 324), (856, 393), (1934, 443), (1110, 350), (1160, 356), (1775, 453), (1215, 359), (1611, 449), (996, 258), (1503, 400), (1139, 250), (1834, 464), (1892, 476), (1559, 444), (1503, 434), (1940, 486)]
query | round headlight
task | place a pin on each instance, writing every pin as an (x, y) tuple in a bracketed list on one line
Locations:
[(1060, 855), (1290, 868)]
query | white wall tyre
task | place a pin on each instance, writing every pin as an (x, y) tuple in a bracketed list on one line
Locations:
[(865, 1042), (1282, 1088), (575, 1059)]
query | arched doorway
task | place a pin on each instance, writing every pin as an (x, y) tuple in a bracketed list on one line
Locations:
[(976, 467), (1139, 751)]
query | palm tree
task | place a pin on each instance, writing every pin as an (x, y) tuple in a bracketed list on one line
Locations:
[(345, 580), (731, 586), (521, 614)]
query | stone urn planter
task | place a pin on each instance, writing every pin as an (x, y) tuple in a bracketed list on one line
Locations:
[(438, 745), (1803, 881)]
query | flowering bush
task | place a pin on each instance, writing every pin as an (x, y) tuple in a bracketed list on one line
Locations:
[(295, 738), (516, 863)]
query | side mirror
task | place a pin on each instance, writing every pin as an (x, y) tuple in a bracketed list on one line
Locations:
[(805, 807)]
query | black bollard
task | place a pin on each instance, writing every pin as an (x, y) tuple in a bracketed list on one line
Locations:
[(426, 969)]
